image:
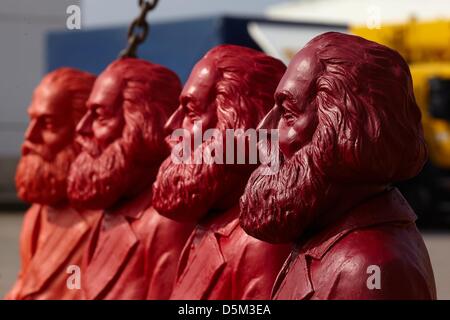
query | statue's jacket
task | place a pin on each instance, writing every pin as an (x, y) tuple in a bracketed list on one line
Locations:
[(133, 253), (378, 238), (52, 242), (220, 261)]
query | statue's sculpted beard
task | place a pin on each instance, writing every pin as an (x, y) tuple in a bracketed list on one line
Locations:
[(278, 208), (98, 182), (187, 192), (41, 181)]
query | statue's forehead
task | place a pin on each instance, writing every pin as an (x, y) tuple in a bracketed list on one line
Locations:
[(109, 81), (304, 68), (202, 77), (107, 88), (50, 99)]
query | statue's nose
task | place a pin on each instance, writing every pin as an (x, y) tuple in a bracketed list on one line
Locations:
[(175, 121), (270, 121)]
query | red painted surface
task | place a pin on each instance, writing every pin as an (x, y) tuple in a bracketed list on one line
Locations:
[(349, 126), (52, 240), (53, 235), (231, 87), (134, 251), (335, 263), (221, 261)]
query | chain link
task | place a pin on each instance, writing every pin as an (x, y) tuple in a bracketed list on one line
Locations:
[(138, 30)]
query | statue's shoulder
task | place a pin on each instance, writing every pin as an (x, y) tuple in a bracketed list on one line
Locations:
[(394, 252)]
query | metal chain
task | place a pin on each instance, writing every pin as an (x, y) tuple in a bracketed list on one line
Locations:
[(138, 30)]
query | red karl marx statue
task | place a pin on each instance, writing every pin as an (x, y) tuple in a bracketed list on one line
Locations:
[(54, 235), (230, 88), (348, 127), (122, 147)]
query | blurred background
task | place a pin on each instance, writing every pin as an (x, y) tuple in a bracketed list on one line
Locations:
[(38, 36)]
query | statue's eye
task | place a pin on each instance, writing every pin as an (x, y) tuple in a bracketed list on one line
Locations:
[(100, 118), (100, 115), (287, 113), (49, 125), (191, 111), (289, 118), (193, 116)]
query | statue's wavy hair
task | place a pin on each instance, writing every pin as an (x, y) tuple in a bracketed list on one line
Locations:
[(78, 84), (150, 95), (369, 123), (246, 82)]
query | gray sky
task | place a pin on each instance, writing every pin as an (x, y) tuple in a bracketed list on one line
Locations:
[(113, 12)]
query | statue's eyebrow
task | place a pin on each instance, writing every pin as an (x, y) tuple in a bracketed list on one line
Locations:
[(42, 116), (185, 100), (91, 105), (98, 108), (39, 113), (282, 96)]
